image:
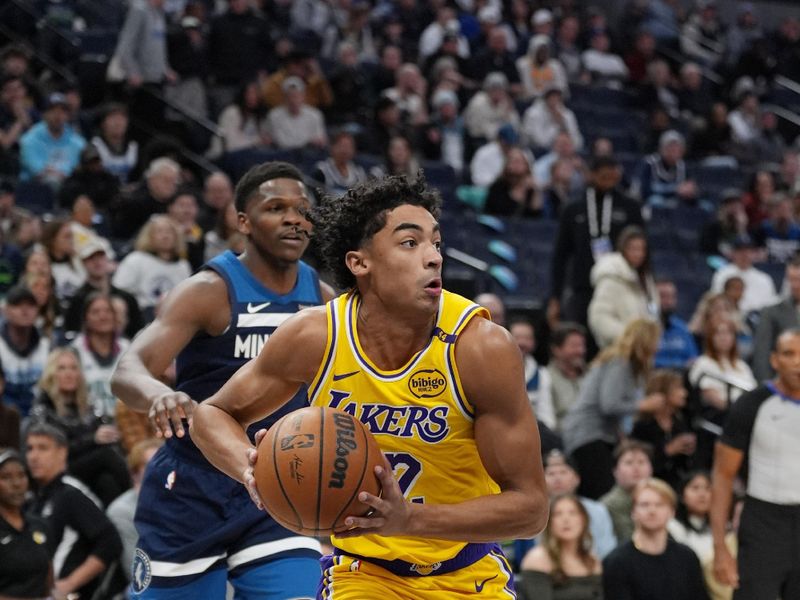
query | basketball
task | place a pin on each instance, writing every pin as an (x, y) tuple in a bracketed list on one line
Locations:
[(311, 466)]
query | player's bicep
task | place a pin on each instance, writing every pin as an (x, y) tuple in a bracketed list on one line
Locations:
[(506, 433), (183, 314)]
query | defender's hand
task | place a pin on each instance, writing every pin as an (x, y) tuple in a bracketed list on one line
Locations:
[(391, 513), (726, 571), (248, 477), (168, 409)]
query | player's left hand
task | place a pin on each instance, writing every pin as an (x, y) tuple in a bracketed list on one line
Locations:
[(391, 513), (248, 477)]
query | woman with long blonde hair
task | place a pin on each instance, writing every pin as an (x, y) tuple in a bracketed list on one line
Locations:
[(157, 264), (563, 565), (610, 395), (63, 401)]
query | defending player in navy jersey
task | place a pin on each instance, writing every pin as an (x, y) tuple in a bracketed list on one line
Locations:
[(198, 527)]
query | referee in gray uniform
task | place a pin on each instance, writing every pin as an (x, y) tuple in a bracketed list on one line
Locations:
[(764, 426)]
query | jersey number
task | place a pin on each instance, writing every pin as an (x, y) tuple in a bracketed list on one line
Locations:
[(406, 469)]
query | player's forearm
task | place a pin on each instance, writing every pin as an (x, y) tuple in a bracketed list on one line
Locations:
[(222, 439), (512, 514), (133, 383)]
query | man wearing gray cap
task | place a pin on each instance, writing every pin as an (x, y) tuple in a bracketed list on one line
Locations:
[(96, 261), (295, 124)]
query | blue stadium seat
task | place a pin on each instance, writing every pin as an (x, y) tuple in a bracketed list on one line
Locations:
[(600, 96), (236, 164), (668, 263), (774, 270), (38, 198), (98, 41), (716, 177)]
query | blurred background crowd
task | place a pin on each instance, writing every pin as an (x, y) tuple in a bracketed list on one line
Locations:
[(621, 186)]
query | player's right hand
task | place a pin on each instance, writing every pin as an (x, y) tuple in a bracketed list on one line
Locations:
[(726, 570), (248, 477), (167, 412)]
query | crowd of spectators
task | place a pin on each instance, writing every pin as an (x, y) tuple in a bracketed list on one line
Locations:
[(108, 201)]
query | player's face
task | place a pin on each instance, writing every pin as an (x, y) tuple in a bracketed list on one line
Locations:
[(651, 512), (13, 484), (403, 261), (276, 223), (566, 521), (786, 362)]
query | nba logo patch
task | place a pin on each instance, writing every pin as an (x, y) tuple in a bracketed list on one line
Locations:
[(355, 565), (141, 570), (170, 480)]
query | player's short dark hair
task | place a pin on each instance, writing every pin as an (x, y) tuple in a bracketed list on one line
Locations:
[(565, 329), (250, 181), (346, 223)]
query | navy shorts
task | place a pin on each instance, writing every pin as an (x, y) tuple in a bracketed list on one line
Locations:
[(193, 519)]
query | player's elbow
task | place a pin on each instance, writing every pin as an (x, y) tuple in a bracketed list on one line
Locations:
[(536, 512), (197, 424)]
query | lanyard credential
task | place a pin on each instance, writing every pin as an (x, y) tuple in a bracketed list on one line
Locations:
[(591, 215)]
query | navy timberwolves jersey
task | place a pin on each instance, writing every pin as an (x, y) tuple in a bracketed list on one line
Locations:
[(207, 362)]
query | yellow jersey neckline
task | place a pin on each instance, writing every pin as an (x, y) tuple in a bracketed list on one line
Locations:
[(353, 302)]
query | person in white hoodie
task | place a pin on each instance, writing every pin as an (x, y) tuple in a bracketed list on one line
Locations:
[(624, 288), (538, 71), (546, 118)]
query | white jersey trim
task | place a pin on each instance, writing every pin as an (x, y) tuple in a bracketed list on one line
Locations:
[(160, 568)]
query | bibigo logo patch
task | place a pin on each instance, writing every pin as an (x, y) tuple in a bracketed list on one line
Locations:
[(427, 383)]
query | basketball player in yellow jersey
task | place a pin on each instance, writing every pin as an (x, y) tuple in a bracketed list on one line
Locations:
[(439, 385)]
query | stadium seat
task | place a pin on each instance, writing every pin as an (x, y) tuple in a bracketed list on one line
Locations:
[(38, 198)]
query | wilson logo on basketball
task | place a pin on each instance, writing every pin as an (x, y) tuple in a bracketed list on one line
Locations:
[(291, 442), (345, 443), (427, 383)]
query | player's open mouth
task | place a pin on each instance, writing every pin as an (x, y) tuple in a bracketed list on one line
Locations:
[(434, 287)]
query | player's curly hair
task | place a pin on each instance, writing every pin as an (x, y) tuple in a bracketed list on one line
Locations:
[(343, 224)]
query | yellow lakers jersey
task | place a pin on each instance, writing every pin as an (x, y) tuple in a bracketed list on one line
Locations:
[(418, 415)]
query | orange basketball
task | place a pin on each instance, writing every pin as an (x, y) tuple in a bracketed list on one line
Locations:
[(311, 466)]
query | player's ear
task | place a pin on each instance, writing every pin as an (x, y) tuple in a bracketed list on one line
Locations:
[(357, 262), (243, 223)]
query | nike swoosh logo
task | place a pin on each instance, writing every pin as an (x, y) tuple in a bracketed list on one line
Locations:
[(344, 376), (479, 586), (258, 308)]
